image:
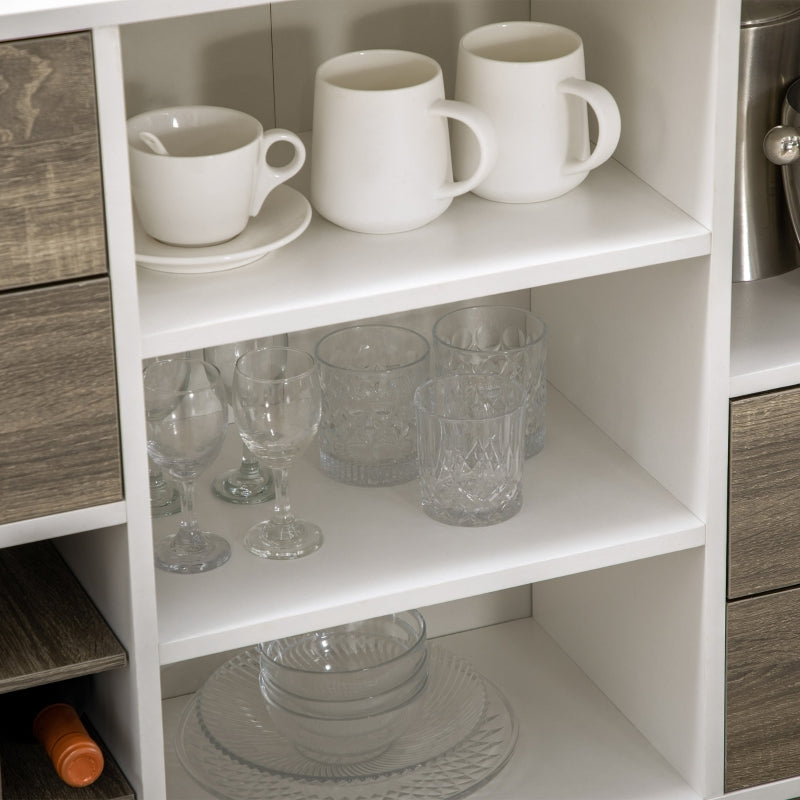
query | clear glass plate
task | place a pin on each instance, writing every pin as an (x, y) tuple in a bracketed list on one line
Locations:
[(464, 735)]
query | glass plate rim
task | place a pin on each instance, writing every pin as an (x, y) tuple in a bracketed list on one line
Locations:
[(317, 788)]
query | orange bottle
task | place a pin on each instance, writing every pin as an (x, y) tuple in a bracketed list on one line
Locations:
[(76, 757), (49, 714)]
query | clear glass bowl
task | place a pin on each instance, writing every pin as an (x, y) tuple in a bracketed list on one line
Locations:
[(347, 740), (462, 735), (346, 709), (346, 662)]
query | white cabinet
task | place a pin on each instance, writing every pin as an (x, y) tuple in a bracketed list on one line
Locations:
[(618, 677)]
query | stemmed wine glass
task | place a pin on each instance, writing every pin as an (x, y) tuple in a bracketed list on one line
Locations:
[(246, 484), (276, 404), (165, 499), (187, 415)]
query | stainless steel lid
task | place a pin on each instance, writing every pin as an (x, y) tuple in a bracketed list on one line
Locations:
[(763, 12)]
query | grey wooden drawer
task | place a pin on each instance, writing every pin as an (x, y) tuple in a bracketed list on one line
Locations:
[(59, 437), (764, 493), (51, 199), (762, 731)]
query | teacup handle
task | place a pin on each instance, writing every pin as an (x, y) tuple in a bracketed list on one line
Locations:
[(480, 124), (609, 124), (268, 176)]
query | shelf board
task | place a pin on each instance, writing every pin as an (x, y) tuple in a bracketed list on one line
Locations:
[(573, 743), (28, 774), (587, 505), (765, 334), (611, 222), (24, 18), (50, 629), (63, 524)]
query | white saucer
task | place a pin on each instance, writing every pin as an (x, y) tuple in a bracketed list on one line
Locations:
[(283, 217)]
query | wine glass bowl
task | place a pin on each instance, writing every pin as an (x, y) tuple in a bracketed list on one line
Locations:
[(276, 404), (247, 483), (186, 413)]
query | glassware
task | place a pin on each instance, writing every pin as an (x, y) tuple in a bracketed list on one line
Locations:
[(471, 433), (276, 404), (368, 374), (350, 661), (245, 484), (463, 736), (187, 417), (165, 500), (499, 340)]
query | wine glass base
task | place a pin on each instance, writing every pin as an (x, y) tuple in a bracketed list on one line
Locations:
[(269, 540), (172, 557), (234, 487), (166, 503)]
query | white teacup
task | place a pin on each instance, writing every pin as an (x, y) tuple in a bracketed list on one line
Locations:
[(215, 177), (529, 78), (380, 154)]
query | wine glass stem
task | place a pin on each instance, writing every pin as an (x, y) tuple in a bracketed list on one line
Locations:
[(283, 515), (249, 466), (189, 530)]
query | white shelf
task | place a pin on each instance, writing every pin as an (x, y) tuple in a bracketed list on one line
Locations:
[(25, 18), (765, 334), (573, 743), (82, 519), (612, 222), (587, 505)]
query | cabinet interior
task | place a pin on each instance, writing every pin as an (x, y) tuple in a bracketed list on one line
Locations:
[(619, 572)]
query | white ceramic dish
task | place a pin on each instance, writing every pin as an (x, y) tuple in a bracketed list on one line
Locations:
[(285, 214)]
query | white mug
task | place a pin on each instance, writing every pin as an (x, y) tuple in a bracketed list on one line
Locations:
[(529, 77), (380, 153), (215, 177)]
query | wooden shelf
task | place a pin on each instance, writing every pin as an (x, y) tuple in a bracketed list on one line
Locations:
[(573, 742), (49, 628), (28, 774), (587, 505)]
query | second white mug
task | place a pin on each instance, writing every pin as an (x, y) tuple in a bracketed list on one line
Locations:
[(380, 153), (529, 78)]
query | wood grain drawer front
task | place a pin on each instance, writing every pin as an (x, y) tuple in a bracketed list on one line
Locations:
[(59, 439), (762, 735), (764, 493), (51, 200)]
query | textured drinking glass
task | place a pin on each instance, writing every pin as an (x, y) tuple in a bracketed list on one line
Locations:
[(246, 484), (498, 340), (187, 416), (470, 431), (276, 404), (367, 435)]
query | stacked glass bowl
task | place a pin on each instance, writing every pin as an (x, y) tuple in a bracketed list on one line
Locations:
[(344, 694)]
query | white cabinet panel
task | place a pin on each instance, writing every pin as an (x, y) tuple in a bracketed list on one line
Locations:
[(221, 59), (307, 32)]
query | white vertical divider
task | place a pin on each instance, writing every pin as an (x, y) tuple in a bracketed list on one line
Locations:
[(139, 729)]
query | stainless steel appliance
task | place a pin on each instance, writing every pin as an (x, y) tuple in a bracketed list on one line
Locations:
[(764, 243)]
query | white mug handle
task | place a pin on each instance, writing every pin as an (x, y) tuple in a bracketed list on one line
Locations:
[(609, 124), (480, 124), (269, 177)]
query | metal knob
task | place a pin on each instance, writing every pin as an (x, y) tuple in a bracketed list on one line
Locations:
[(782, 145)]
